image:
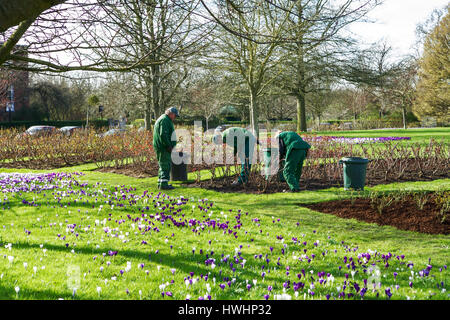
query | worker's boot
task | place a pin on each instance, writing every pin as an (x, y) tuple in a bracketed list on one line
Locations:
[(166, 187)]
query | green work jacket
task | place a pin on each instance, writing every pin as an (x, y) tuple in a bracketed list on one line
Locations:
[(162, 134), (292, 141)]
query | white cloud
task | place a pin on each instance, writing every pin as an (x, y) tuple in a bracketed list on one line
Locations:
[(396, 22)]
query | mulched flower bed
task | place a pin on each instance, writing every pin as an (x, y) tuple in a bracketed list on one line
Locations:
[(224, 185), (402, 214), (129, 171), (258, 187)]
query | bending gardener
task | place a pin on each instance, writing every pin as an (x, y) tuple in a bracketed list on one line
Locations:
[(294, 150), (243, 143)]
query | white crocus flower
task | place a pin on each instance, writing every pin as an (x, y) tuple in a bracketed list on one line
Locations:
[(283, 296)]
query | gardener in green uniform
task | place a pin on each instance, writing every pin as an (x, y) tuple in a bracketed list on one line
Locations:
[(163, 144), (243, 143), (294, 150)]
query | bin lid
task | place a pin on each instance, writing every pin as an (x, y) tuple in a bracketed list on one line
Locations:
[(355, 160)]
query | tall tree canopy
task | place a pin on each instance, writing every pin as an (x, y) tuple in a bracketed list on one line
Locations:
[(433, 90)]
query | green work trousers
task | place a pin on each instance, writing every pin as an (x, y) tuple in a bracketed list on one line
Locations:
[(293, 168), (164, 163)]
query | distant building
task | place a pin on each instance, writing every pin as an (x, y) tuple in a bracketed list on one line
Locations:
[(14, 90)]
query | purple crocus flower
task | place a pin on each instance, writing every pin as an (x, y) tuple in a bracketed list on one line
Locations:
[(388, 292), (363, 292)]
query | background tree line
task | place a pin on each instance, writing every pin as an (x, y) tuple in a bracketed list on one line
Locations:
[(253, 60)]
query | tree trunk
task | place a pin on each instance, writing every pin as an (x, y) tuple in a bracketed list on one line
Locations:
[(156, 90), (148, 118), (87, 117), (301, 113), (404, 117), (148, 107), (254, 113), (301, 86)]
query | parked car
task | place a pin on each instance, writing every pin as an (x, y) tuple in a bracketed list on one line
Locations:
[(38, 131), (223, 127), (112, 132), (68, 130)]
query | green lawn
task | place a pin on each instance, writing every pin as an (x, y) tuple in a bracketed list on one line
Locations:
[(61, 263), (43, 265)]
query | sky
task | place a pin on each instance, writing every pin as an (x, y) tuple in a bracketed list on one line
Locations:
[(396, 22)]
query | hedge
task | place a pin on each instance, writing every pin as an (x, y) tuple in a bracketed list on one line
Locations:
[(58, 124)]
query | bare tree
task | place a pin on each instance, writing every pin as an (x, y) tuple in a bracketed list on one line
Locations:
[(249, 39), (119, 96), (22, 13), (316, 44), (90, 35), (162, 35), (207, 96), (403, 89)]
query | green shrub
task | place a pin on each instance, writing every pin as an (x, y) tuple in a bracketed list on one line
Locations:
[(138, 123)]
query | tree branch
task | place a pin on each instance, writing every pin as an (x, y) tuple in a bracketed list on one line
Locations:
[(14, 12)]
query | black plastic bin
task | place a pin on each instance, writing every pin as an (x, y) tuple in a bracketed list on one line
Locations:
[(178, 171)]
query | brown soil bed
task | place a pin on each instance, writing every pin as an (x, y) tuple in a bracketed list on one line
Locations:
[(404, 214), (131, 171), (258, 187), (224, 185)]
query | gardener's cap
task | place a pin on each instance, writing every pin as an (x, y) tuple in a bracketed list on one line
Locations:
[(173, 110)]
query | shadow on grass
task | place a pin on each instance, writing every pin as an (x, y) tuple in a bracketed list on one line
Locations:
[(8, 293), (183, 262)]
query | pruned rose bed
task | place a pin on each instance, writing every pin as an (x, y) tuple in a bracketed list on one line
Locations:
[(420, 213)]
